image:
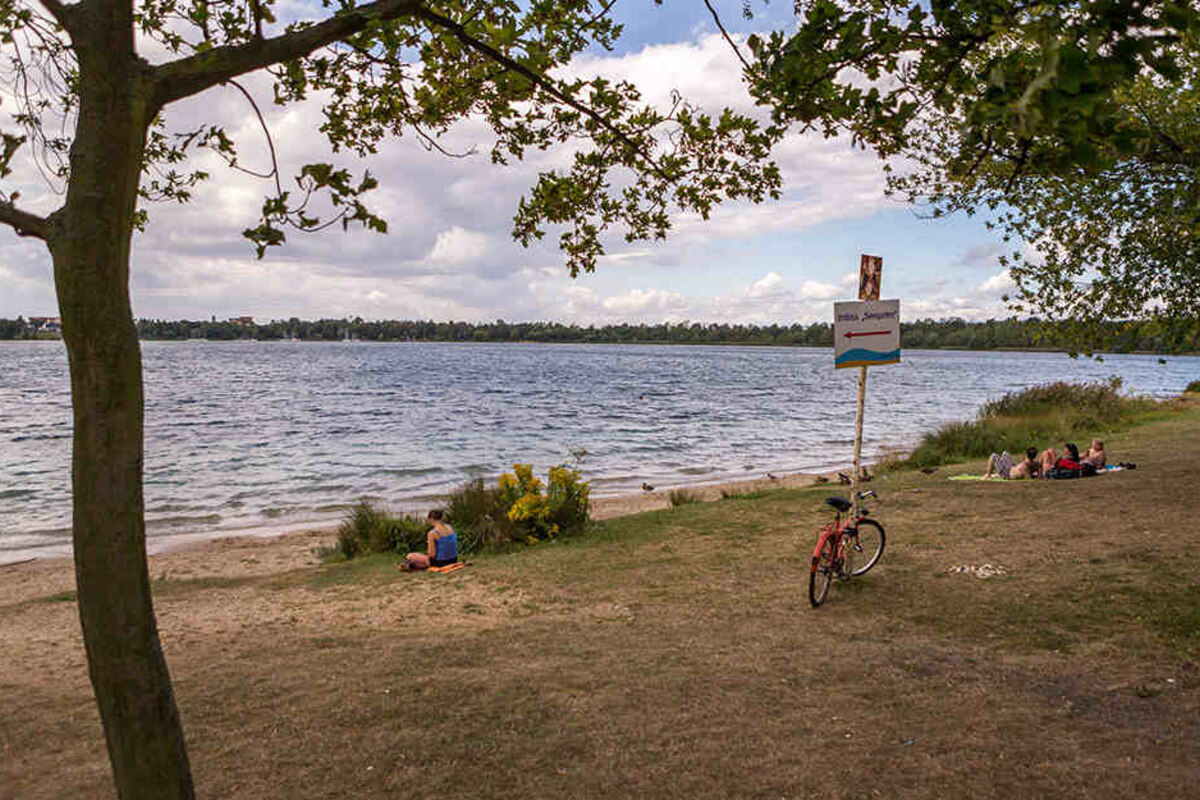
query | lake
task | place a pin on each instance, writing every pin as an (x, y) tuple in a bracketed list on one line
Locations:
[(253, 435)]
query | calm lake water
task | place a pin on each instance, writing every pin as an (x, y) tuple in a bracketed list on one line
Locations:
[(273, 434)]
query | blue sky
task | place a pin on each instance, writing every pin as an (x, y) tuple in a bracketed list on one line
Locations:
[(449, 254)]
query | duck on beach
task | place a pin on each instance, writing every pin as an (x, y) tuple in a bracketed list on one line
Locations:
[(647, 487)]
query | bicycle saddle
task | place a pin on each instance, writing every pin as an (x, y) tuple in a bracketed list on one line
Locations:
[(840, 503)]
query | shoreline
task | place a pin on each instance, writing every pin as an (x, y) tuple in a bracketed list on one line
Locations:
[(604, 507), (262, 551)]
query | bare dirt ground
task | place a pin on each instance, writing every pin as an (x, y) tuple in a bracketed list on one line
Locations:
[(674, 654)]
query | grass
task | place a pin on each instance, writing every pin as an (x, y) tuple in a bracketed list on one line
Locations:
[(673, 654), (1040, 416), (752, 495)]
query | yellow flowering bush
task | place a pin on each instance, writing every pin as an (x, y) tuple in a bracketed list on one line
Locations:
[(538, 515)]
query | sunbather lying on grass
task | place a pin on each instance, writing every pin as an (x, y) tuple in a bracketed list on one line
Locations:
[(1003, 466)]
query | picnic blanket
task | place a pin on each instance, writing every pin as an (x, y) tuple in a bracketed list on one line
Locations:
[(449, 567), (1109, 468)]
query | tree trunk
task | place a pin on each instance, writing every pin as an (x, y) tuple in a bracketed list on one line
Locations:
[(90, 244)]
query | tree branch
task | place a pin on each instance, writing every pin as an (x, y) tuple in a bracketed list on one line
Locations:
[(24, 223), (194, 74), (60, 11), (541, 81), (728, 39)]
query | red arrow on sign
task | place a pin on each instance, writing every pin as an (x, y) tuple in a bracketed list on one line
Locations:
[(849, 335)]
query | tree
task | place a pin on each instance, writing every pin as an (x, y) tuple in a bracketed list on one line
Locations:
[(91, 111), (1074, 125)]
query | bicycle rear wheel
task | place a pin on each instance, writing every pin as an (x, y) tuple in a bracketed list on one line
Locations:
[(822, 573), (866, 545)]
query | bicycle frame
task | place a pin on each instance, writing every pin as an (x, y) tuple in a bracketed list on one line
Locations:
[(839, 531), (839, 544)]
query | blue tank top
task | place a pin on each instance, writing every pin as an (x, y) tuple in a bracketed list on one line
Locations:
[(446, 548)]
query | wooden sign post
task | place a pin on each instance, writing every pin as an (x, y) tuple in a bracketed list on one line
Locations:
[(865, 333)]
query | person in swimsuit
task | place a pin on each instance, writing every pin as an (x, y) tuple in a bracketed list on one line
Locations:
[(1049, 458), (1096, 455), (442, 550), (1003, 466)]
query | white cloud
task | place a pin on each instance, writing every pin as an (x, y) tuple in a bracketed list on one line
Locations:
[(458, 247), (640, 301), (815, 290), (769, 285), (997, 283)]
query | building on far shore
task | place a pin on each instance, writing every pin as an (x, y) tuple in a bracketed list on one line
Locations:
[(46, 324), (241, 320)]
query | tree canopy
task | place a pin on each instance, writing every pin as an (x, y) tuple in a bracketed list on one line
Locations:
[(392, 68), (1073, 125)]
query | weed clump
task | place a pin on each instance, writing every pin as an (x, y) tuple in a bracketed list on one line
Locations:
[(1038, 416), (681, 497), (1192, 388), (367, 529)]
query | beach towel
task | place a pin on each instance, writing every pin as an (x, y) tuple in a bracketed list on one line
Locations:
[(1110, 468), (449, 567)]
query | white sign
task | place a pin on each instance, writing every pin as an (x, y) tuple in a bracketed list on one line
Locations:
[(866, 333)]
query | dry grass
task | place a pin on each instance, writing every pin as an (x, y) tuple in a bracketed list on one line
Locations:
[(674, 655)]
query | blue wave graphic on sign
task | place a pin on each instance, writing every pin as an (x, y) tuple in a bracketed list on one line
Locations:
[(860, 356)]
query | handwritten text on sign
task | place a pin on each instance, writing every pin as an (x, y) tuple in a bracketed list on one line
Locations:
[(866, 333)]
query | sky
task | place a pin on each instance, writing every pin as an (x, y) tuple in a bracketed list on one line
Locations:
[(449, 254)]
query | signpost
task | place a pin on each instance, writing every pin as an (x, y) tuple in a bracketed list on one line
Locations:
[(865, 333)]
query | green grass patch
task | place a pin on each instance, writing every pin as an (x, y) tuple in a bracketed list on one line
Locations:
[(1040, 416), (61, 597), (753, 495)]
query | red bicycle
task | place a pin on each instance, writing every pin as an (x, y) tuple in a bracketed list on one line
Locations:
[(844, 549)]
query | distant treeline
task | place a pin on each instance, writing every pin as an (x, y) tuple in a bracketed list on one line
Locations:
[(1007, 334)]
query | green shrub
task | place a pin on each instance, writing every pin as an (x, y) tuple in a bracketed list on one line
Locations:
[(1038, 416), (404, 534), (476, 509), (367, 529), (681, 497), (1193, 388)]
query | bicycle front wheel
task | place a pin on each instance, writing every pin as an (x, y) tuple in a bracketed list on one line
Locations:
[(822, 573), (867, 545)]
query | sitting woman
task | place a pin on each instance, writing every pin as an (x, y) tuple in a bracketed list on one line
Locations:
[(1002, 465), (443, 546), (1068, 465), (1049, 459), (1096, 455)]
